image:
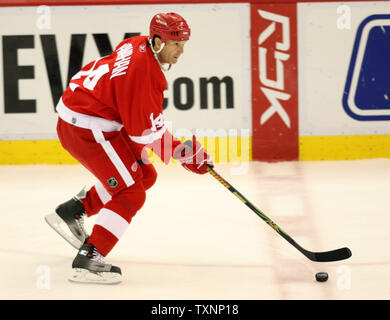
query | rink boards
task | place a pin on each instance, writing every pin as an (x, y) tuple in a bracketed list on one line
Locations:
[(272, 82), (343, 104)]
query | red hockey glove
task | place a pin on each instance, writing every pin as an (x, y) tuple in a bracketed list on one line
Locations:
[(192, 156)]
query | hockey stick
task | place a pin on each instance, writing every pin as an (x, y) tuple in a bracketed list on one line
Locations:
[(327, 256)]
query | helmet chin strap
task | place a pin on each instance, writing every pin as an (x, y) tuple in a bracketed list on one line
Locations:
[(156, 52)]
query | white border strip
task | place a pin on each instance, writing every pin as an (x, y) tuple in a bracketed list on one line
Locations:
[(150, 137), (102, 193), (86, 121), (112, 221), (114, 157)]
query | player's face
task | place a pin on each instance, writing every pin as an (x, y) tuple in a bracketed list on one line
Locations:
[(171, 51)]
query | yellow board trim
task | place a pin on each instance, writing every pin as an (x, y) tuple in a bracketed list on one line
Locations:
[(313, 148), (222, 149)]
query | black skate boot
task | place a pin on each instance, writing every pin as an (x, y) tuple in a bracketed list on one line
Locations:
[(89, 267), (68, 220)]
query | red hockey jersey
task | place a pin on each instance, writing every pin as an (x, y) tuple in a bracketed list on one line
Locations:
[(127, 87)]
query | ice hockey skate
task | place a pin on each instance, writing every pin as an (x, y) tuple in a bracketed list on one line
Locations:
[(89, 267), (68, 220)]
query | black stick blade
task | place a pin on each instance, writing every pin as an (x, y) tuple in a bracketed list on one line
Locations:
[(329, 256)]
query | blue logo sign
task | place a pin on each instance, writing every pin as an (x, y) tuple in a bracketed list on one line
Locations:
[(367, 90)]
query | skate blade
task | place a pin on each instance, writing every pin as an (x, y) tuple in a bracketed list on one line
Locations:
[(55, 221), (86, 276)]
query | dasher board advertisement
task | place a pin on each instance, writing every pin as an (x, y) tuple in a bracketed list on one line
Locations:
[(344, 68), (274, 82), (43, 47)]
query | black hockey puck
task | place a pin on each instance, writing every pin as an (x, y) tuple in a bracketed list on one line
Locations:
[(321, 276)]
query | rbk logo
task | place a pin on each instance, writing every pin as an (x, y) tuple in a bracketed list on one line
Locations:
[(274, 89), (367, 90)]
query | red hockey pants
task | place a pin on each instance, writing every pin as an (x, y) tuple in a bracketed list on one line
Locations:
[(122, 181)]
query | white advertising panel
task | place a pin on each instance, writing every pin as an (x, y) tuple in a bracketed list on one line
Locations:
[(42, 47), (343, 51)]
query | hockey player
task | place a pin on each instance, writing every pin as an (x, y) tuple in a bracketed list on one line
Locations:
[(109, 113)]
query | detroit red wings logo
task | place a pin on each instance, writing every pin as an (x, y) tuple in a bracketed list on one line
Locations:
[(142, 48), (157, 123)]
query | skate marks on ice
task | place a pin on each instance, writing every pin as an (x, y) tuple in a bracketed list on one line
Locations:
[(214, 247)]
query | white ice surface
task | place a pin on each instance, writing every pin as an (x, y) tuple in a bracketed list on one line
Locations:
[(194, 240)]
